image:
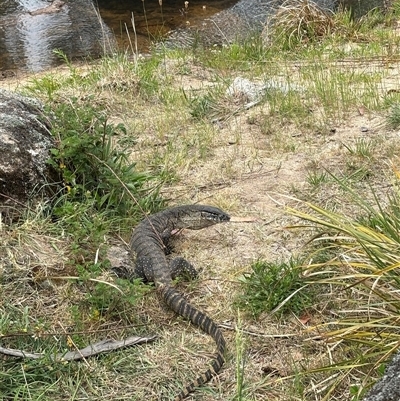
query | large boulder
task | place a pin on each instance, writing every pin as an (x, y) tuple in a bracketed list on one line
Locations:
[(25, 143)]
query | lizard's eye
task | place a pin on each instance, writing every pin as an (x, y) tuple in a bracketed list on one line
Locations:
[(210, 216), (215, 216)]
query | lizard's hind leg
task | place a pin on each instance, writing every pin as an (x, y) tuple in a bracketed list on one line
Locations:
[(142, 270)]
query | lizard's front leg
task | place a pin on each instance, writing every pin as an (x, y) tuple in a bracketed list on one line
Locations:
[(180, 267)]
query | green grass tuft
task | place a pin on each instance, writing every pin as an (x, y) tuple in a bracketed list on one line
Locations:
[(275, 288)]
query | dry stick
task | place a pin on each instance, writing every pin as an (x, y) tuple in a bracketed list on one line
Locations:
[(92, 349), (106, 345), (129, 39)]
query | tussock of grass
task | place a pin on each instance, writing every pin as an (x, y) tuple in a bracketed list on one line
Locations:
[(364, 272), (275, 288), (393, 118), (297, 21)]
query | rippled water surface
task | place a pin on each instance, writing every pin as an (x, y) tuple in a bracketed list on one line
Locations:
[(152, 21), (28, 38)]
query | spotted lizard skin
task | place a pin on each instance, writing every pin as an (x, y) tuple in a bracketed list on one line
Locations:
[(149, 242)]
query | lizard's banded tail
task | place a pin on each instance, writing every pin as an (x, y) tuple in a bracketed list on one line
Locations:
[(179, 305)]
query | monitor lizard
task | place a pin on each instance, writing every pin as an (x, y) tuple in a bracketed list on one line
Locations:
[(150, 241)]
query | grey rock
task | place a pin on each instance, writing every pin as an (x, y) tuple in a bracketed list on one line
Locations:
[(246, 89), (121, 261), (251, 92), (120, 257), (388, 387), (25, 143), (360, 8)]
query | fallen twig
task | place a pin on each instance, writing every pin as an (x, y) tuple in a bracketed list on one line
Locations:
[(106, 345)]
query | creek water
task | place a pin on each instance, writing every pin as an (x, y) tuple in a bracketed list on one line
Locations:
[(152, 21), (30, 30)]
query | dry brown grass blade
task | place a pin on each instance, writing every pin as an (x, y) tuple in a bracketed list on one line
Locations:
[(89, 279)]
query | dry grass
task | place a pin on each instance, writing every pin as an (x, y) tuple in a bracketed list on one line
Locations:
[(247, 164), (301, 20)]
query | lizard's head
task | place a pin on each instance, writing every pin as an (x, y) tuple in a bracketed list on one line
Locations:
[(214, 215), (202, 216)]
